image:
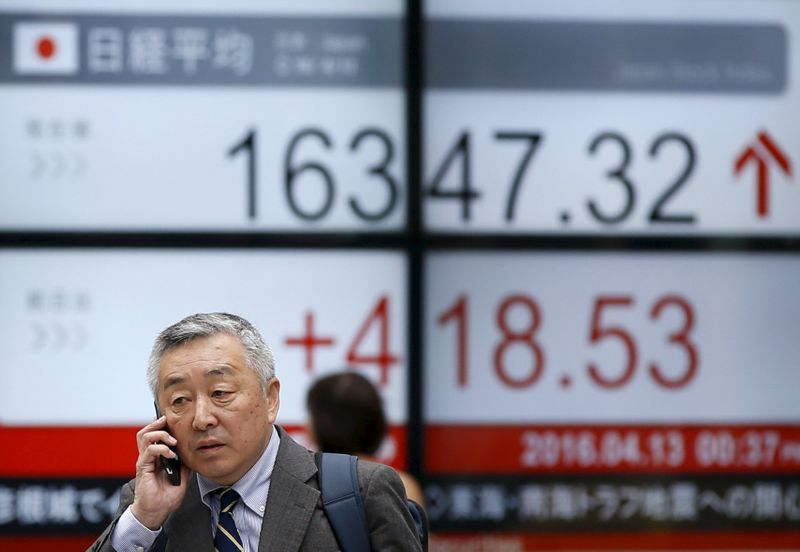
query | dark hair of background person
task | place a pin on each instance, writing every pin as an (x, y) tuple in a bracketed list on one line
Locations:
[(346, 414)]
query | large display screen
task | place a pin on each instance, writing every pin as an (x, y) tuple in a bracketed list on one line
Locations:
[(179, 117), (85, 321), (79, 324), (585, 117), (619, 376), (561, 237), (597, 392)]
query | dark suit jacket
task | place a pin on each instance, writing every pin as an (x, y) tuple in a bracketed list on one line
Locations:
[(294, 519)]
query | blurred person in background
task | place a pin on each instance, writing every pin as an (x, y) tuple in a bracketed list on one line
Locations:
[(346, 416)]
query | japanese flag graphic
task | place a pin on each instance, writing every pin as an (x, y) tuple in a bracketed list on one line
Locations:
[(43, 48)]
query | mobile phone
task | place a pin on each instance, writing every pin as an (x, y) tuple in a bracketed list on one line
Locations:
[(172, 466)]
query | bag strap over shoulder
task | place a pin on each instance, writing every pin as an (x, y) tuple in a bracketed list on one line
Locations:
[(420, 521), (341, 499)]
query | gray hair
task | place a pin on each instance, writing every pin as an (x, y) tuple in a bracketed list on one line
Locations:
[(258, 354)]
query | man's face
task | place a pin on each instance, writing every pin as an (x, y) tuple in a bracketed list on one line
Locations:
[(216, 407)]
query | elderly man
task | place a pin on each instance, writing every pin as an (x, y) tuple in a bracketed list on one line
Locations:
[(245, 485)]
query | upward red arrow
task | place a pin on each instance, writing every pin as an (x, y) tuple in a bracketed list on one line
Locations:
[(753, 155)]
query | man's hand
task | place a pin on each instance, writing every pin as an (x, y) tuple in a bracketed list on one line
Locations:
[(155, 496)]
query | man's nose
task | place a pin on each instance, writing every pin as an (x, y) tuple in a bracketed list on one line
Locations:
[(204, 415)]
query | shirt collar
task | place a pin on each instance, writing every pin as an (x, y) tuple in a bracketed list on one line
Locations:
[(253, 485)]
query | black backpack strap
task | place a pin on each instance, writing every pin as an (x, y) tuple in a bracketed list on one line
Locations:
[(420, 521), (341, 499)]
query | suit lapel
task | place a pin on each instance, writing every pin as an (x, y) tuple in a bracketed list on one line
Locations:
[(189, 528), (290, 502)]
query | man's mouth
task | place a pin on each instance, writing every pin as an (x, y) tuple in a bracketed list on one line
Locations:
[(209, 447)]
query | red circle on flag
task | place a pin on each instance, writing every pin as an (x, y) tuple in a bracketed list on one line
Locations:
[(46, 47)]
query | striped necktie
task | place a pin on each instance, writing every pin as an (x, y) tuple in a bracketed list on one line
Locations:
[(227, 538)]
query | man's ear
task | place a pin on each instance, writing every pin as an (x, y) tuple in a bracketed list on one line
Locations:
[(273, 399)]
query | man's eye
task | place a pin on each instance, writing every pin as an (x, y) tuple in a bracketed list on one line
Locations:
[(220, 394), (178, 401)]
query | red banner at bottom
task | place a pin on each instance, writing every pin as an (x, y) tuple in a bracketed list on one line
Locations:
[(47, 544), (50, 451)]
